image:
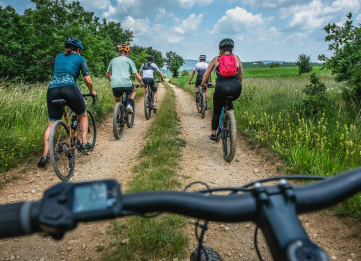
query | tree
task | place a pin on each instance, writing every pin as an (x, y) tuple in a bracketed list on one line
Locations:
[(345, 43), (174, 62), (158, 57), (185, 73), (274, 65), (304, 63)]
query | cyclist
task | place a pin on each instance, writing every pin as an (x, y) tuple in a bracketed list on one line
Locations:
[(119, 72), (146, 71), (200, 68), (228, 83), (67, 68)]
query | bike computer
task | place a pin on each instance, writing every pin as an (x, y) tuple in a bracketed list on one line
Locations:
[(66, 204)]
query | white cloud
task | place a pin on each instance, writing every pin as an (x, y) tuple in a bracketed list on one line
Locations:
[(358, 18), (191, 3), (91, 5), (317, 13), (266, 4), (162, 13), (189, 25), (238, 20), (138, 26)]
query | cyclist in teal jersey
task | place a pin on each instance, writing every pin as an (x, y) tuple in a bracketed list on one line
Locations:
[(67, 67)]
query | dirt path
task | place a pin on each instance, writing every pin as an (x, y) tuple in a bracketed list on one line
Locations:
[(111, 159), (203, 161)]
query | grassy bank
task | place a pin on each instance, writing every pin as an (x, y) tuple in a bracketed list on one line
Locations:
[(24, 118), (269, 111), (161, 237)]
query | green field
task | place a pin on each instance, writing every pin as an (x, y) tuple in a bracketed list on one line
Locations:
[(281, 72), (269, 113)]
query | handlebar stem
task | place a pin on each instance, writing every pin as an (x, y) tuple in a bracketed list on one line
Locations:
[(282, 229)]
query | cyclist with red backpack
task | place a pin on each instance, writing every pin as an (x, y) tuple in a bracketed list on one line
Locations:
[(229, 72)]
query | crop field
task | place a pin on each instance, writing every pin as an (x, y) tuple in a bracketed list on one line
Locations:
[(24, 118), (269, 113)]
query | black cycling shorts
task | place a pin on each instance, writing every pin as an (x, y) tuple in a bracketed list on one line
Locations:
[(73, 98), (151, 82), (118, 91), (198, 82)]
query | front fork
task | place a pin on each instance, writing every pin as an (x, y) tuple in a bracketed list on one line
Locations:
[(281, 227)]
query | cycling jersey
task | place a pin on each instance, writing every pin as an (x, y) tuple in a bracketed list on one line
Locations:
[(200, 68), (121, 68), (148, 69), (67, 70)]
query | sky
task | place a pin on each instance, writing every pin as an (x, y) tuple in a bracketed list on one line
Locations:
[(261, 29)]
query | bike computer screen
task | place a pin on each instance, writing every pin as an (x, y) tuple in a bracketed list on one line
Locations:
[(90, 197)]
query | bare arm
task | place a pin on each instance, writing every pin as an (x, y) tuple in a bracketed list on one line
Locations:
[(161, 76), (109, 76), (209, 70), (240, 69), (190, 80), (141, 73), (139, 79), (89, 84)]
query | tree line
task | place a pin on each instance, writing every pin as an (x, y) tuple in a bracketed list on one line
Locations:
[(30, 42)]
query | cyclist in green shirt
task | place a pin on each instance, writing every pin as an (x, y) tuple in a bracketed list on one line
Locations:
[(119, 71)]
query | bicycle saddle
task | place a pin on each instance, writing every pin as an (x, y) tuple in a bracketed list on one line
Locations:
[(60, 102)]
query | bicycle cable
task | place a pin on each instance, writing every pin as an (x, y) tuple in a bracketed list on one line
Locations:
[(256, 243)]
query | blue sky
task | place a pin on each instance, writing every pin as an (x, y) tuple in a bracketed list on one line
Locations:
[(261, 29)]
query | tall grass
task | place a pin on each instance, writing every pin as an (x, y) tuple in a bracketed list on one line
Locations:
[(160, 237), (269, 110), (24, 117)]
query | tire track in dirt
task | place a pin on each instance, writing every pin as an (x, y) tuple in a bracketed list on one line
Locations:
[(203, 161), (111, 158)]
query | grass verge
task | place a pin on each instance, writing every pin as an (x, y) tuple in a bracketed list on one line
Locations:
[(24, 118), (140, 238)]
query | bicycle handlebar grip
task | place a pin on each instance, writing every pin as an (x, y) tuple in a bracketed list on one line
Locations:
[(15, 219)]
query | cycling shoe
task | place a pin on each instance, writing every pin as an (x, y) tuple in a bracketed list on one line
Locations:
[(43, 161), (85, 146)]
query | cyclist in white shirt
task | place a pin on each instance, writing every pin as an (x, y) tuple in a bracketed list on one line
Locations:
[(200, 68), (146, 72)]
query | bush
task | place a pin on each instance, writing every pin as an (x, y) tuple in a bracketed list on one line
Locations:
[(174, 62), (184, 73), (274, 65), (304, 63), (316, 100)]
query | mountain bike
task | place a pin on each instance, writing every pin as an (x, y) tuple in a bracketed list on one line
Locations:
[(64, 140), (227, 131), (201, 103), (148, 102), (121, 116), (274, 209)]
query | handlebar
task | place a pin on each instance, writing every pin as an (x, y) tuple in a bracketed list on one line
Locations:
[(55, 213), (90, 95), (137, 86)]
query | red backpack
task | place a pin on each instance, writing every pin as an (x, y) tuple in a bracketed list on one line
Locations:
[(227, 66)]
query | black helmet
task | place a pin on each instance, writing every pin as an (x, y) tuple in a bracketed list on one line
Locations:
[(73, 41), (202, 57), (150, 58), (227, 42)]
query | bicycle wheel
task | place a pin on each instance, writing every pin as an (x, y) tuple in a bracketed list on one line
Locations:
[(118, 124), (92, 132), (199, 106), (147, 106), (207, 254), (203, 105), (61, 156), (229, 136), (130, 117)]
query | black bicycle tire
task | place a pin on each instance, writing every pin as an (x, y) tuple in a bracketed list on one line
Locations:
[(229, 153), (203, 105), (130, 121), (52, 155), (117, 133), (147, 111), (207, 254), (95, 132), (199, 109)]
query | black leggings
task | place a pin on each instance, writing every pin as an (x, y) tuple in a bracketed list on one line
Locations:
[(219, 99), (73, 98)]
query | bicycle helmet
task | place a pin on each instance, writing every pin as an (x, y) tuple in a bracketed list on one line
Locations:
[(73, 41), (124, 47), (150, 58), (202, 57), (227, 42)]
